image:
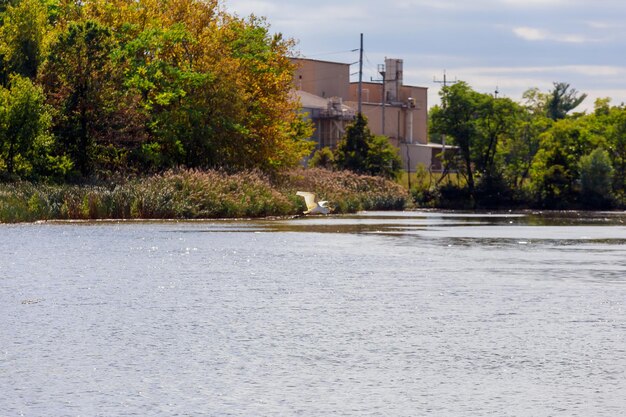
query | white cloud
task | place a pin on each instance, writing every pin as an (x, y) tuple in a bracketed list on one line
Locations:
[(601, 25), (534, 3), (536, 34), (531, 34), (597, 81), (466, 38), (586, 70), (248, 7), (430, 4)]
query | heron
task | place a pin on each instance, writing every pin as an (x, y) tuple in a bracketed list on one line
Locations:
[(313, 207)]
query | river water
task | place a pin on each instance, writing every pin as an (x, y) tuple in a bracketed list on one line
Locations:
[(376, 314)]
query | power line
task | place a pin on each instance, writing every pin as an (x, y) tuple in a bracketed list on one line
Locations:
[(444, 167), (360, 76), (445, 80), (333, 53)]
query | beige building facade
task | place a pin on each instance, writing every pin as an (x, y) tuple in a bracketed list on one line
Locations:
[(393, 109)]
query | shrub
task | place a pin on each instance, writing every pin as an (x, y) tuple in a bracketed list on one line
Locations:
[(322, 158)]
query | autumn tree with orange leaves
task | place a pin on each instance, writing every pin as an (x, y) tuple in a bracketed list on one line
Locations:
[(153, 84)]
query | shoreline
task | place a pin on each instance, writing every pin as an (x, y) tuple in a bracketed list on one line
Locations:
[(568, 214), (193, 194)]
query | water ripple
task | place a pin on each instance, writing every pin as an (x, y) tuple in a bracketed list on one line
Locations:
[(403, 314)]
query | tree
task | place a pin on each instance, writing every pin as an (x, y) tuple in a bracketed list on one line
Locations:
[(276, 132), (561, 100), (519, 149), (535, 101), (78, 78), (23, 38), (352, 150), (460, 108), (158, 84), (216, 87), (596, 179), (609, 122), (360, 151), (617, 140), (25, 139), (322, 158), (556, 169), (382, 159), (498, 123)]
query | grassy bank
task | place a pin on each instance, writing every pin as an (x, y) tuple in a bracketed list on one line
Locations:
[(197, 195)]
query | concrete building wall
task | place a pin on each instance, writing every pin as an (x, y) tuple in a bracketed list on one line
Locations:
[(405, 112), (329, 116), (405, 119), (322, 78), (414, 154)]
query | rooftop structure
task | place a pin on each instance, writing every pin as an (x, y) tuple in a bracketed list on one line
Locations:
[(393, 109)]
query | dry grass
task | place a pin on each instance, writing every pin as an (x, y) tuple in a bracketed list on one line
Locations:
[(346, 191), (192, 194)]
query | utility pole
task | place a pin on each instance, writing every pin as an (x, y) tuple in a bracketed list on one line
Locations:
[(382, 72), (361, 76), (444, 82)]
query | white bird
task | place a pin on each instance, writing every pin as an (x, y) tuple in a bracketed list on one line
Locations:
[(314, 207)]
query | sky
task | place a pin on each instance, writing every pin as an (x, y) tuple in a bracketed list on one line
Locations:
[(504, 45)]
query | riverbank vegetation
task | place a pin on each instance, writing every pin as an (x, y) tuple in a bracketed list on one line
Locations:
[(157, 109), (179, 109), (530, 154), (195, 194)]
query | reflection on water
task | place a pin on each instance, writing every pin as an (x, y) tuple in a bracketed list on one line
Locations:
[(556, 228), (396, 314)]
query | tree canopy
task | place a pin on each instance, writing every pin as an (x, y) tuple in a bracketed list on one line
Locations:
[(148, 85), (362, 152), (534, 152), (561, 100)]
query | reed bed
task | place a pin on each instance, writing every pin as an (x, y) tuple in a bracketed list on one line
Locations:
[(347, 192), (193, 194)]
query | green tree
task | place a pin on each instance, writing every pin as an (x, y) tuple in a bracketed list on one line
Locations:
[(322, 158), (78, 79), (360, 151), (456, 118), (183, 111), (160, 84), (26, 143), (561, 100), (498, 122), (617, 147), (23, 38), (518, 149), (535, 101), (609, 123), (596, 174), (556, 169), (352, 150), (382, 158)]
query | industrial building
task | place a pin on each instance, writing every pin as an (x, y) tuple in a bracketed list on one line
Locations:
[(392, 109)]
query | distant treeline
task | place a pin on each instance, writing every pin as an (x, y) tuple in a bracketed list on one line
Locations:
[(532, 154), (90, 88), (93, 90)]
